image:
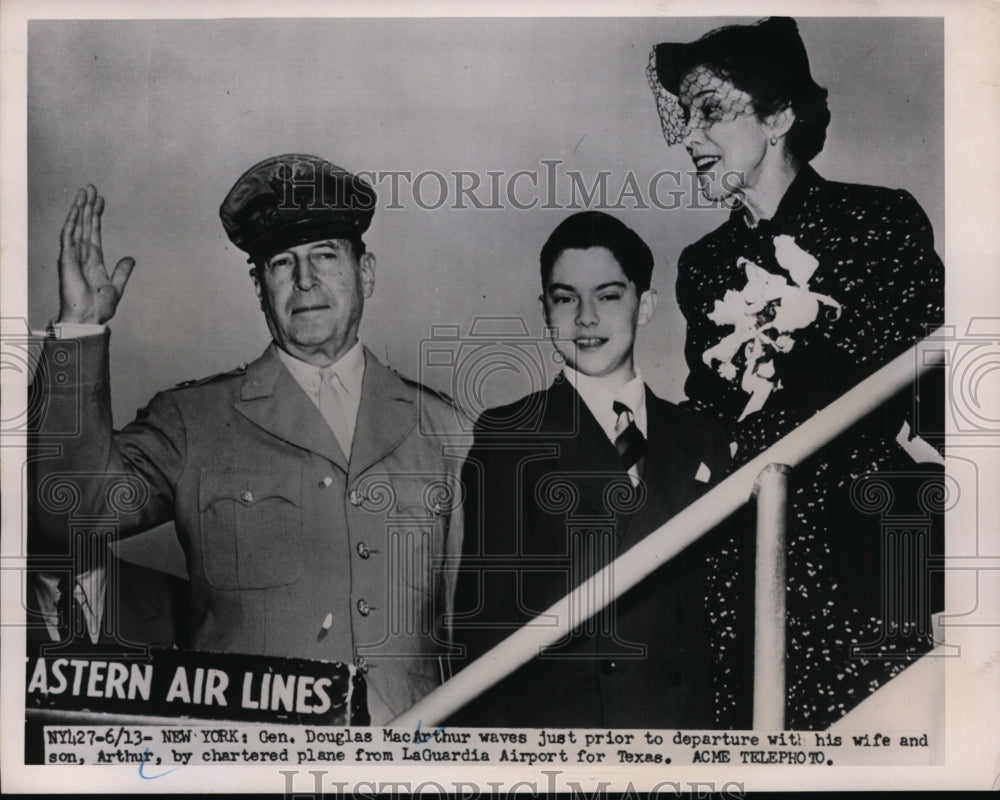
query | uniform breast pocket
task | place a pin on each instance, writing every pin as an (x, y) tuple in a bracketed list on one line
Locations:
[(251, 527)]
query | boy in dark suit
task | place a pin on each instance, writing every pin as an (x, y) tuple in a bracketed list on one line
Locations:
[(561, 482)]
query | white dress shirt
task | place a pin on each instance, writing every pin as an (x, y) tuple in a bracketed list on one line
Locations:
[(600, 399), (339, 398)]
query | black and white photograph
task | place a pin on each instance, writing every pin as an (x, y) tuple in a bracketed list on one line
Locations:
[(446, 399)]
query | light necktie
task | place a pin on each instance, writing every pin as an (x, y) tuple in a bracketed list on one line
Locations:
[(333, 406), (629, 441)]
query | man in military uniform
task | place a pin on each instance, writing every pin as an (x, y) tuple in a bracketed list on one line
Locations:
[(311, 491)]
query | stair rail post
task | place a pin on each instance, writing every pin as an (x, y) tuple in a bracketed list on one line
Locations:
[(771, 492)]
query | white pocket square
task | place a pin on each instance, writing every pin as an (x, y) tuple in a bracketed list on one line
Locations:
[(704, 474)]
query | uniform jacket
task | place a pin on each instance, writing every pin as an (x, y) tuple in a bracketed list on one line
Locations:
[(291, 550), (551, 502)]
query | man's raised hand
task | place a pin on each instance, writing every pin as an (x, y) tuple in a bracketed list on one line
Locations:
[(87, 294)]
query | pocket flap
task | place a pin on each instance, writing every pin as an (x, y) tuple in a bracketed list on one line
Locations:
[(247, 487)]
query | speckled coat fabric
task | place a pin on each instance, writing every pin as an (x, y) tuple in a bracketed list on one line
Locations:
[(882, 286)]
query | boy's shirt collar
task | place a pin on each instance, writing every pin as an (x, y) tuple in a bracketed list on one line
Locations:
[(600, 400)]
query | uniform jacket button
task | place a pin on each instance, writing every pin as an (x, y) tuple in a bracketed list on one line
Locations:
[(354, 498), (363, 550), (363, 608), (246, 496), (362, 664)]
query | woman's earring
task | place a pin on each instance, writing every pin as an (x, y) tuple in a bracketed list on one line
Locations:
[(774, 141)]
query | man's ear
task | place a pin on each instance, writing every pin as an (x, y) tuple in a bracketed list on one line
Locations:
[(780, 122), (647, 305), (257, 287), (367, 270)]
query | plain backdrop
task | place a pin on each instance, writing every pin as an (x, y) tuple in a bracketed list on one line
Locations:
[(163, 116)]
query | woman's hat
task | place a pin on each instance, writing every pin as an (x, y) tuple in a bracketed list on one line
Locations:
[(770, 52)]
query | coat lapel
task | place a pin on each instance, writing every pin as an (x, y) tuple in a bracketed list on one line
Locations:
[(271, 398), (669, 470), (386, 416), (586, 455)]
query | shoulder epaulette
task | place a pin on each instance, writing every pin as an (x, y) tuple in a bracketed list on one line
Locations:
[(423, 387), (219, 376)]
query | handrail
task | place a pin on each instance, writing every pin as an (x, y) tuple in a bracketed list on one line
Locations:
[(668, 540)]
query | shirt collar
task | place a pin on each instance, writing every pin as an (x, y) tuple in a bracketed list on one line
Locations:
[(349, 369), (599, 399)]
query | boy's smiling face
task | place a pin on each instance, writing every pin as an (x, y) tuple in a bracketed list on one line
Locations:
[(594, 310)]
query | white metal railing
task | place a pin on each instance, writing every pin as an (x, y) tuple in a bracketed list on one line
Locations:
[(678, 533), (769, 599)]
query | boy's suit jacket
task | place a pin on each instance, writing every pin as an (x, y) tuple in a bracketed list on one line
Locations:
[(550, 500)]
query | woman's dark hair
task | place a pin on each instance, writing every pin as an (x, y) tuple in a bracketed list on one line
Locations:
[(587, 229), (807, 135), (768, 61)]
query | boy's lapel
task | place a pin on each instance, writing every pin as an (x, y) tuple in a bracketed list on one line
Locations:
[(587, 459), (671, 465)]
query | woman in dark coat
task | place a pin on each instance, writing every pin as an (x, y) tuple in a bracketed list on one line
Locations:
[(809, 287)]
